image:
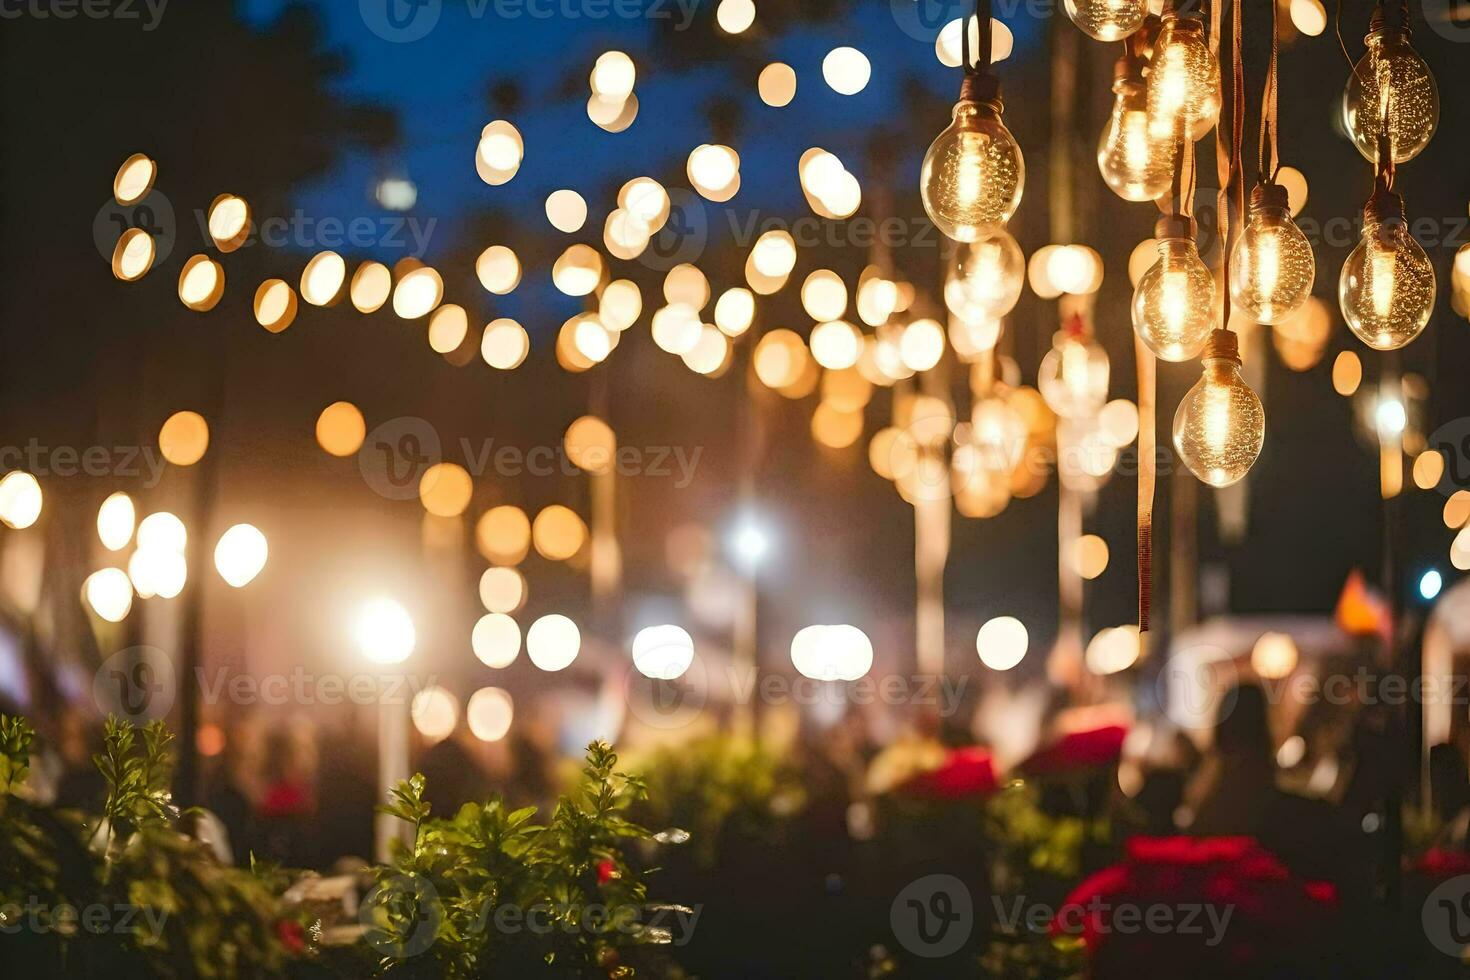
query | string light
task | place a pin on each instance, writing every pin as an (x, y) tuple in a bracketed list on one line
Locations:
[(496, 638), (985, 276), (1387, 284), (1174, 304), (1220, 425), (1107, 20), (116, 519), (973, 173), (663, 652), (241, 554), (1391, 82), (110, 594), (1133, 161), (371, 285), (1184, 80), (489, 713), (1271, 267), (20, 500), (134, 179), (435, 713), (1073, 377)]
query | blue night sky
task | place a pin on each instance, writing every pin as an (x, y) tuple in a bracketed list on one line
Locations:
[(437, 87)]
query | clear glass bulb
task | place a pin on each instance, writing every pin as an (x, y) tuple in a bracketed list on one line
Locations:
[(973, 173), (985, 276), (1183, 81), (1107, 20), (1387, 285), (1174, 304), (998, 434), (1391, 79), (1137, 165), (1073, 378), (1220, 425), (1272, 267)]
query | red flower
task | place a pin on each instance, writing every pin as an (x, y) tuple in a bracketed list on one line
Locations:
[(1196, 905), (292, 936), (1078, 750), (965, 772), (1440, 863)]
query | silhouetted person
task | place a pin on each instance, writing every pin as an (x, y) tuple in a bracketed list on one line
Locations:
[(1240, 773), (1315, 839), (288, 804), (453, 776), (81, 786), (227, 800), (1449, 788)]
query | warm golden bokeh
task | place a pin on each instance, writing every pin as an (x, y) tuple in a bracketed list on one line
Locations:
[(184, 438), (340, 429), (445, 489)]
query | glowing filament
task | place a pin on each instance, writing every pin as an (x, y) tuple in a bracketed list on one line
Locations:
[(1381, 281), (970, 173), (1174, 300), (1136, 143)]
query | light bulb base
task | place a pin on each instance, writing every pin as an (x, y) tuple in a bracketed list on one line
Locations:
[(1269, 197), (982, 88), (1223, 345), (1128, 73), (1383, 207), (1171, 226), (1179, 23), (1389, 15)]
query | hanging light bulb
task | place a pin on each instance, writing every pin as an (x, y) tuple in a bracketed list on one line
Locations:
[(1393, 82), (998, 435), (1107, 20), (1271, 267), (1174, 304), (973, 173), (1184, 80), (1387, 284), (985, 276), (1220, 425), (1073, 378), (1136, 164)]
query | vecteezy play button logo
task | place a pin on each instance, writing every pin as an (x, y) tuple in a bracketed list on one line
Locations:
[(395, 456), (1446, 916), (138, 684), (400, 21), (933, 917), (923, 19), (683, 235)]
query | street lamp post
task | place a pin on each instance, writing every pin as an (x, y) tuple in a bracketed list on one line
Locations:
[(385, 635), (750, 544)]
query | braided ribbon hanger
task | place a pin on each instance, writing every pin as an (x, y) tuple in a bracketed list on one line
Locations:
[(1270, 162), (979, 62), (1228, 164)]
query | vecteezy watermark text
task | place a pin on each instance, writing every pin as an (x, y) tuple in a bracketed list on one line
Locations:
[(395, 456), (97, 918), (416, 899), (1104, 916), (300, 686), (406, 21), (69, 461), (149, 12)]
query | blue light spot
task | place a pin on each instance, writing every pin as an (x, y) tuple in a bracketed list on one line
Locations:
[(1431, 583)]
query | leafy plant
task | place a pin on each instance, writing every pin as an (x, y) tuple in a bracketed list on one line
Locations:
[(718, 788), (125, 893), (1032, 840), (489, 893), (1034, 958)]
